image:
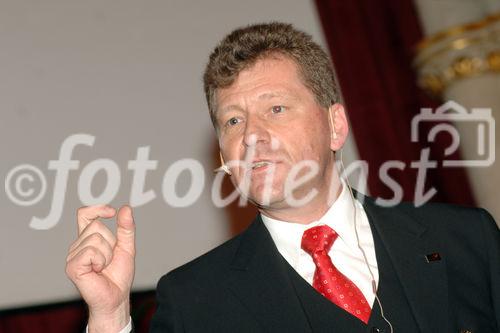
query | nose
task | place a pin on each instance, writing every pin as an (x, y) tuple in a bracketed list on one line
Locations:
[(256, 132)]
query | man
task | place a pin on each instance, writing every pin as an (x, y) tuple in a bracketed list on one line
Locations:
[(315, 259)]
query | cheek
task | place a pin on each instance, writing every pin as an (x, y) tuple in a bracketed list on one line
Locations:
[(311, 140), (229, 149)]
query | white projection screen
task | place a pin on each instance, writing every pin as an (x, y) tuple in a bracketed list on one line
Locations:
[(88, 89)]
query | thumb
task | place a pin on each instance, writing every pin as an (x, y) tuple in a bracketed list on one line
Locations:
[(125, 230)]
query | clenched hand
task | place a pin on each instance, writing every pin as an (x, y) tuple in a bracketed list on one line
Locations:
[(101, 265)]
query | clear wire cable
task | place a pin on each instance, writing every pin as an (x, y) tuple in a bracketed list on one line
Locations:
[(353, 200)]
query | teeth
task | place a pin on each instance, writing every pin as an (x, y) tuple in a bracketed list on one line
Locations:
[(260, 164)]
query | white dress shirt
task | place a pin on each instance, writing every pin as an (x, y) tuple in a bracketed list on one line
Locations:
[(126, 329), (345, 253)]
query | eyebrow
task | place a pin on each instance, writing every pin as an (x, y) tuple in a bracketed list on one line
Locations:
[(264, 96), (229, 108)]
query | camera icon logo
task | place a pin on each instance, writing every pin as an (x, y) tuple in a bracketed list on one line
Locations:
[(480, 120)]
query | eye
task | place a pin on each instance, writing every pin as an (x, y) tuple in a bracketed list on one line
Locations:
[(232, 121), (278, 109)]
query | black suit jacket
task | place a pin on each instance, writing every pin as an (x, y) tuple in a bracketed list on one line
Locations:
[(242, 285)]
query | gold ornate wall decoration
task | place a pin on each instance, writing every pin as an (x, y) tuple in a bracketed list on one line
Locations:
[(493, 59), (459, 52)]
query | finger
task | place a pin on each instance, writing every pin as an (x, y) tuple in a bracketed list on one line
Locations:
[(95, 226), (125, 230), (87, 260), (96, 241), (85, 215)]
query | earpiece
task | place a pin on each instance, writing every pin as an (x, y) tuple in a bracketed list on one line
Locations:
[(223, 167), (334, 133)]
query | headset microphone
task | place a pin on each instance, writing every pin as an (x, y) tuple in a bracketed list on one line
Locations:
[(223, 167)]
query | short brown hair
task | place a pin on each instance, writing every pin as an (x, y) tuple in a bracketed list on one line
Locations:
[(244, 46)]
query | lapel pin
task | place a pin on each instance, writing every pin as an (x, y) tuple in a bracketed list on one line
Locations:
[(433, 257)]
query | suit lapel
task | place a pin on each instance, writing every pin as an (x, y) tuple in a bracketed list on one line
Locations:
[(407, 242), (260, 280)]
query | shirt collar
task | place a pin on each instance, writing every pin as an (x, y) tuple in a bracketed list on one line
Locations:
[(340, 217)]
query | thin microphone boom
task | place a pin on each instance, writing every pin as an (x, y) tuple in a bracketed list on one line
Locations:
[(223, 167), (374, 284), (344, 176)]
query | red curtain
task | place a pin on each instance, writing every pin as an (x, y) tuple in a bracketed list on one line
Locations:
[(372, 45), (66, 318), (71, 317)]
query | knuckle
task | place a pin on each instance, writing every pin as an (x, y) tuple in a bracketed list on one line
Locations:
[(68, 270), (81, 210), (68, 259), (96, 238), (91, 251), (96, 225)]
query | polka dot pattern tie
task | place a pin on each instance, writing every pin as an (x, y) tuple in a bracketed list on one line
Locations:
[(328, 280)]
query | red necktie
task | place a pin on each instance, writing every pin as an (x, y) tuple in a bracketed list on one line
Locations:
[(328, 280)]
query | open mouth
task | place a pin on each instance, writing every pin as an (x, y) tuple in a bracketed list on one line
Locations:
[(260, 164)]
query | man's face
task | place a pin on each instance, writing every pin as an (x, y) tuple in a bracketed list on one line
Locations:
[(269, 115)]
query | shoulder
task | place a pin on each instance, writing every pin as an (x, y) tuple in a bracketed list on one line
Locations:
[(432, 214), (191, 291), (447, 225), (448, 216)]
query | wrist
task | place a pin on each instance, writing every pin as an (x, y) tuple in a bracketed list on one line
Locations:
[(109, 321)]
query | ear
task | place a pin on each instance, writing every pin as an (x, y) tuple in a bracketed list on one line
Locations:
[(339, 128)]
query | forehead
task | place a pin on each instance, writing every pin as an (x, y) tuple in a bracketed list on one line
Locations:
[(270, 77)]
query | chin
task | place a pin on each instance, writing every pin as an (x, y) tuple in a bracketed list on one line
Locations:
[(272, 200)]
